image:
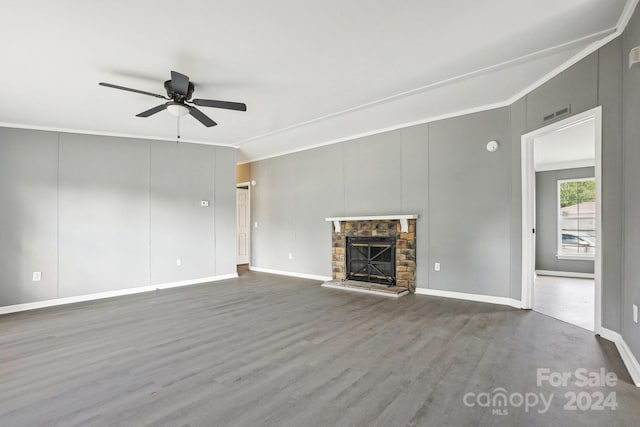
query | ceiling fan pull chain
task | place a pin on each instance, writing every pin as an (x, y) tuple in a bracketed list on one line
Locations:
[(178, 130)]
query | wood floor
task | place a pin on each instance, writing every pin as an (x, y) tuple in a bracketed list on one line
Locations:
[(565, 298), (265, 350)]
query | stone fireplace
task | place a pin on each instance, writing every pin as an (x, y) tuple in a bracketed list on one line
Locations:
[(384, 251)]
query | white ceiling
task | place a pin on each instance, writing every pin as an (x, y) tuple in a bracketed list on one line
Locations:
[(570, 147), (311, 72)]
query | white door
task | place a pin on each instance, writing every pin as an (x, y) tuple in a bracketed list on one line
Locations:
[(242, 213)]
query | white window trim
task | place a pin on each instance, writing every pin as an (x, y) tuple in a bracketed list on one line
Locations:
[(560, 255)]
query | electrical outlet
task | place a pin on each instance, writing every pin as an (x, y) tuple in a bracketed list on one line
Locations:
[(290, 255), (178, 262), (436, 267), (635, 313), (37, 276)]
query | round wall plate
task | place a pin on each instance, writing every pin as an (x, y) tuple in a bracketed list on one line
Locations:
[(492, 146)]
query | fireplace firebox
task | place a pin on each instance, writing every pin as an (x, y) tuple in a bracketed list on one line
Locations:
[(371, 259)]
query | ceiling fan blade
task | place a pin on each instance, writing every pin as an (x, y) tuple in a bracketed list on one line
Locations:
[(132, 90), (152, 111), (201, 117), (179, 83), (238, 106)]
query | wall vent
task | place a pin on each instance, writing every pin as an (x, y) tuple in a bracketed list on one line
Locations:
[(558, 114)]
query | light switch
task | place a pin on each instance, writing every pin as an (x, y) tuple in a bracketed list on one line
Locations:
[(204, 203), (178, 262), (37, 276), (436, 267), (635, 313)]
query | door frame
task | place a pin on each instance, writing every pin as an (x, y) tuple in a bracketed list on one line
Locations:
[(529, 207), (248, 185)]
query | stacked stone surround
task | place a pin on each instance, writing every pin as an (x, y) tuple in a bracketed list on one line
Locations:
[(405, 247)]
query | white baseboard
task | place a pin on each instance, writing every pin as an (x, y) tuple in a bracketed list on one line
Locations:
[(365, 291), (627, 356), (291, 274), (608, 334), (565, 274), (629, 360), (101, 295), (196, 281), (470, 297)]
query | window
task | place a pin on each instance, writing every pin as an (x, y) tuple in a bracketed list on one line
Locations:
[(577, 218)]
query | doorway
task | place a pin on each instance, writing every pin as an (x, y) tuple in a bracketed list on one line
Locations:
[(562, 221), (243, 209)]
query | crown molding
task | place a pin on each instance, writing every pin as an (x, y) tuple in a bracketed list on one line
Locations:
[(461, 77), (111, 134), (626, 15), (606, 36)]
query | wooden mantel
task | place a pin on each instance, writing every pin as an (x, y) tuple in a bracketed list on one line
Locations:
[(404, 225)]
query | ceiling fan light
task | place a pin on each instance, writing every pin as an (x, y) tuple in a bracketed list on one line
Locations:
[(177, 110)]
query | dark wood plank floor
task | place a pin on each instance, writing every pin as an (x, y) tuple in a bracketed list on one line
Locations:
[(265, 350)]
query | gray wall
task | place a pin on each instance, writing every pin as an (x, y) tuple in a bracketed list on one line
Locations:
[(103, 214), (610, 97), (469, 201), (547, 221), (28, 215), (631, 130), (97, 214), (443, 166)]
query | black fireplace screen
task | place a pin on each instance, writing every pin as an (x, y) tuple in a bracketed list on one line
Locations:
[(371, 259)]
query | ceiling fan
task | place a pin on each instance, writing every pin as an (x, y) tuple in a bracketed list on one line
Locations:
[(179, 91)]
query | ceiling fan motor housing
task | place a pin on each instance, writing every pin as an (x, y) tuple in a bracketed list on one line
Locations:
[(176, 96)]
